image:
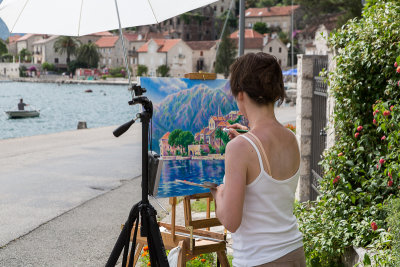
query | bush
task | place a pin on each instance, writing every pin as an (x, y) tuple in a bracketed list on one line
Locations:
[(356, 183), (393, 220), (117, 72), (142, 70), (48, 66), (22, 71)]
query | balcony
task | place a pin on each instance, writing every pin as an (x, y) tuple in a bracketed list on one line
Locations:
[(132, 53)]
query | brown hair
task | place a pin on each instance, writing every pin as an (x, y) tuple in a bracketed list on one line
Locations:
[(260, 76)]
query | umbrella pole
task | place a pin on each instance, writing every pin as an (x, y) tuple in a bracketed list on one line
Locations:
[(123, 47)]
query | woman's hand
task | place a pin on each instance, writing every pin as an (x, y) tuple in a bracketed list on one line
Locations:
[(232, 133)]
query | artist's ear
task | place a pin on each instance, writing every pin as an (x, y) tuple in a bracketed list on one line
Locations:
[(240, 96)]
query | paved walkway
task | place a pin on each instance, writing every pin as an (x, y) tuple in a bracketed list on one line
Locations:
[(64, 196)]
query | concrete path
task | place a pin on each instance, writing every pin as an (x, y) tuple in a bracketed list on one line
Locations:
[(64, 196)]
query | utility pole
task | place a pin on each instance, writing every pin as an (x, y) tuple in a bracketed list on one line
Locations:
[(241, 27), (292, 51)]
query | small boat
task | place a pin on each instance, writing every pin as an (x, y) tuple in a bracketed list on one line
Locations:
[(19, 114)]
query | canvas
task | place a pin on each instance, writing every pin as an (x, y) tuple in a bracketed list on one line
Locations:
[(187, 130)]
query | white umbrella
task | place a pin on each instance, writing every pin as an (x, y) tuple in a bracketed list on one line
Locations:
[(82, 17)]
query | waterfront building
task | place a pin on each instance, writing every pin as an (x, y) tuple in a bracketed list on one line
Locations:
[(174, 53), (12, 44), (253, 41), (203, 55), (110, 49), (273, 17), (276, 48), (27, 41), (43, 51)]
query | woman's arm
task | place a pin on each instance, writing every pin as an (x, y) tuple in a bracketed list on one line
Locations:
[(229, 197)]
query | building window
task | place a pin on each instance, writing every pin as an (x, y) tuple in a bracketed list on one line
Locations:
[(280, 49), (56, 60), (170, 22), (109, 61), (222, 9), (201, 53), (179, 21), (270, 49), (215, 8), (187, 36)]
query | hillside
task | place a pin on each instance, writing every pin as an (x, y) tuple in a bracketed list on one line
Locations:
[(4, 33)]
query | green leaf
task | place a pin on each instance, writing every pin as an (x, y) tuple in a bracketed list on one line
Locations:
[(398, 60)]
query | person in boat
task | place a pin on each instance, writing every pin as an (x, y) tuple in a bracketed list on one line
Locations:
[(256, 200), (21, 104)]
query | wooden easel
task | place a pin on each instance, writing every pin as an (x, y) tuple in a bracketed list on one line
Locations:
[(195, 237), (191, 238)]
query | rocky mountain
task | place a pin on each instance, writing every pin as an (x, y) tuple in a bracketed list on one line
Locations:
[(190, 110)]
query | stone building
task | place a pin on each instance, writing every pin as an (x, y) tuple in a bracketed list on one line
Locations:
[(274, 17), (278, 49), (93, 38), (43, 51), (203, 55), (196, 25), (222, 6), (174, 53), (12, 44), (253, 41), (26, 41), (110, 49)]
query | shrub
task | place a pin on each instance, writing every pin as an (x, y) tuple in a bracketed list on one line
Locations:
[(393, 220), (48, 66), (142, 70), (350, 211)]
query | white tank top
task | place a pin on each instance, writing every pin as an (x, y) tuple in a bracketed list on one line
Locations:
[(268, 229)]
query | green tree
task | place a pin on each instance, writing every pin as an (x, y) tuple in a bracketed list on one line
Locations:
[(315, 11), (3, 48), (68, 45), (6, 57), (142, 70), (226, 55), (163, 71), (212, 150), (185, 139), (261, 27), (48, 66), (173, 137), (89, 54), (235, 121), (25, 55), (74, 64)]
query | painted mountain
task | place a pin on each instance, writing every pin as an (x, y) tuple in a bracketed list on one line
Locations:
[(186, 104)]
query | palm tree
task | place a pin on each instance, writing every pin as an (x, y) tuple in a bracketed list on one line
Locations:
[(89, 54), (68, 45)]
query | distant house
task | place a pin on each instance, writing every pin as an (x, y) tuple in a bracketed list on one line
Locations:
[(94, 37), (278, 49), (26, 41), (203, 55), (110, 48), (253, 41), (12, 44), (274, 17), (43, 51), (165, 148), (313, 39), (174, 53), (221, 6)]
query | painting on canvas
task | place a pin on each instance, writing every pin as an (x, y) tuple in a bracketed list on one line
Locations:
[(187, 130)]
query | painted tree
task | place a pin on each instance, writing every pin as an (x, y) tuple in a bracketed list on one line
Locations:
[(66, 45), (185, 139), (173, 137)]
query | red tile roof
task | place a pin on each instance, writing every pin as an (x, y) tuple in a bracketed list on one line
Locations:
[(248, 33), (216, 118), (164, 45), (252, 43), (209, 132), (202, 131), (131, 37), (223, 123), (165, 136), (107, 41), (13, 39), (201, 45), (270, 11)]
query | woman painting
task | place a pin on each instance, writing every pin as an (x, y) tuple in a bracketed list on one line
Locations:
[(256, 201)]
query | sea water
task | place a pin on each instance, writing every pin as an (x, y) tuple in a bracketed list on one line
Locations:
[(63, 106)]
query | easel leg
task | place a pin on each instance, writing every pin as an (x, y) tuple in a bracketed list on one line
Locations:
[(223, 259), (137, 253), (182, 254)]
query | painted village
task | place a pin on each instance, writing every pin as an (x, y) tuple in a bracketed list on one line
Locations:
[(209, 143)]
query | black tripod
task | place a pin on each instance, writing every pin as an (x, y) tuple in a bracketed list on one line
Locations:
[(149, 227)]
